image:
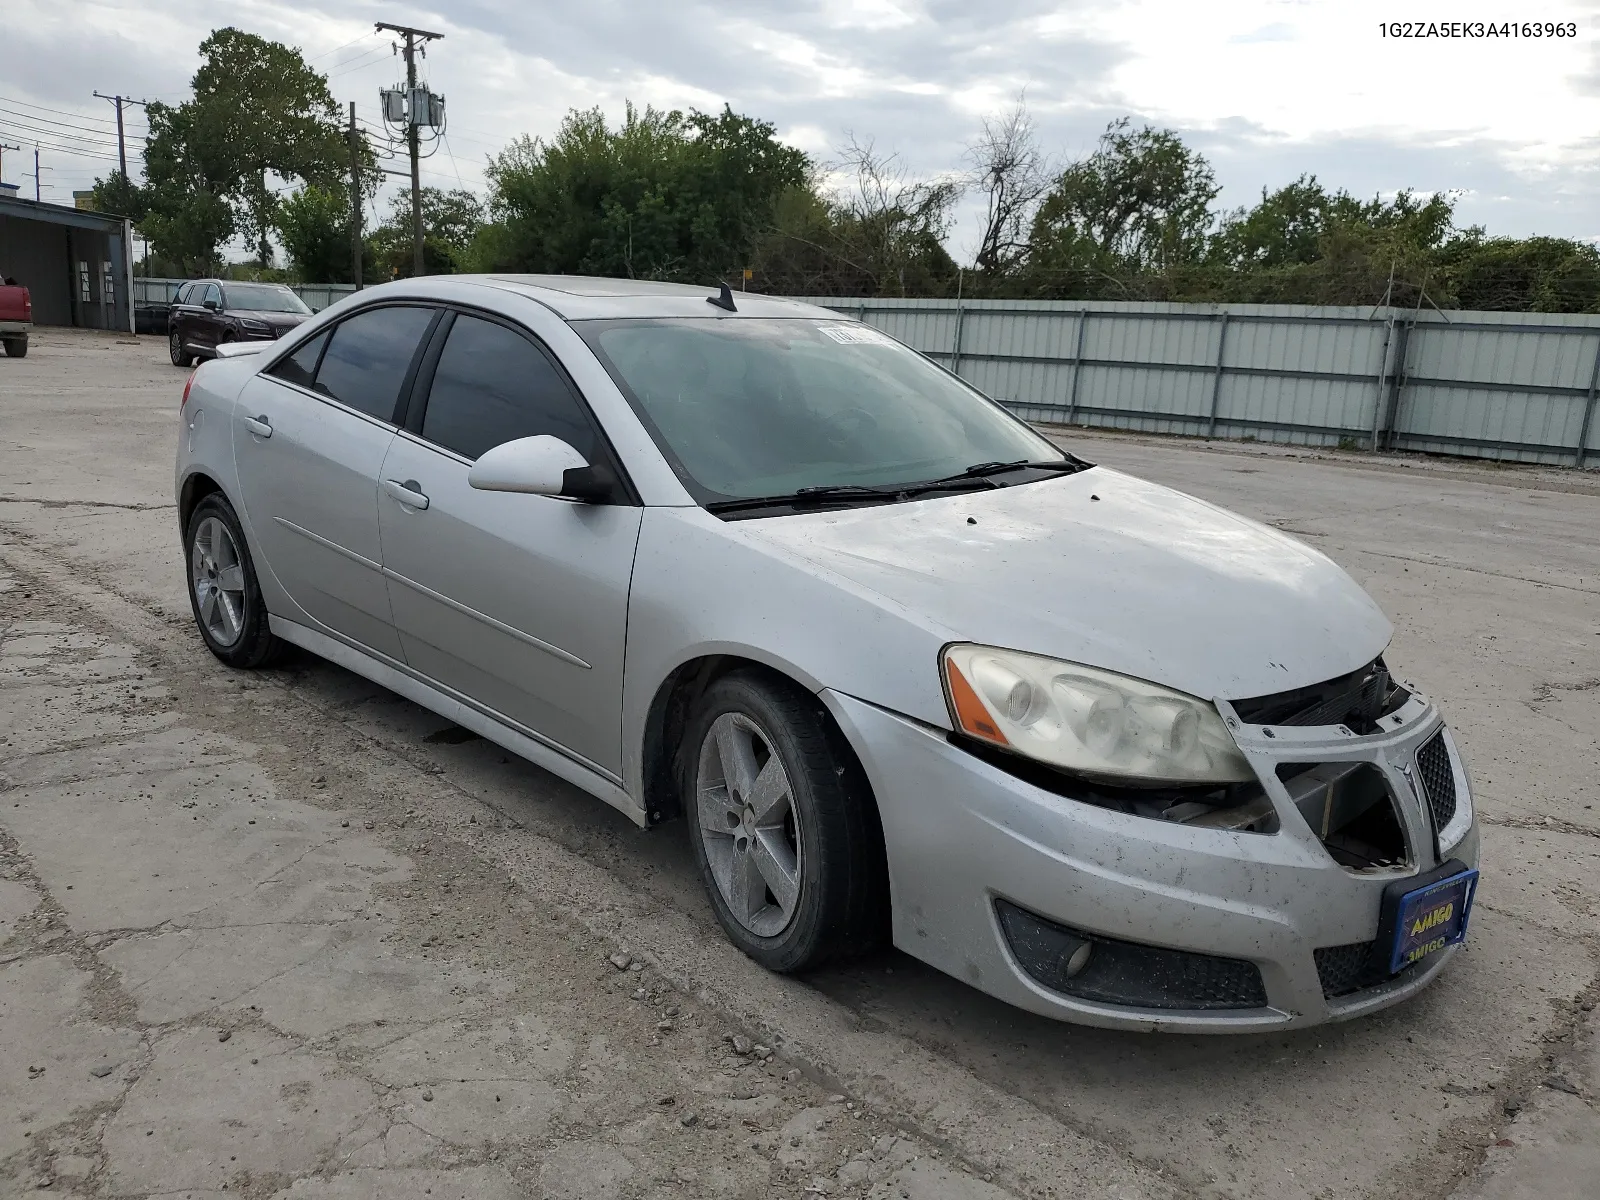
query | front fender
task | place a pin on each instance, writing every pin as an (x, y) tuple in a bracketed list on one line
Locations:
[(700, 588)]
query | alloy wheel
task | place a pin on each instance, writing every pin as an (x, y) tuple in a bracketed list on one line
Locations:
[(217, 577), (748, 824)]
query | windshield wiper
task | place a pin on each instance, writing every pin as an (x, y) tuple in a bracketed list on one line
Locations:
[(977, 475), (982, 474), (808, 495)]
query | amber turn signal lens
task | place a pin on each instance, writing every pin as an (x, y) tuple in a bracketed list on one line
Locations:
[(971, 715)]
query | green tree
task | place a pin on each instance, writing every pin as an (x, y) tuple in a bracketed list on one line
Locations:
[(314, 225), (1537, 274), (663, 196), (187, 216), (116, 193), (450, 222), (259, 111), (1140, 203)]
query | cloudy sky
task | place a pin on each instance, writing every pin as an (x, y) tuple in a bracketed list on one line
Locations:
[(1267, 89)]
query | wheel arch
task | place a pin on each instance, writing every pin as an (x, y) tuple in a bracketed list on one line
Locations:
[(668, 714), (197, 485)]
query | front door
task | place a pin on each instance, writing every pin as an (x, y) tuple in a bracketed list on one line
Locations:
[(205, 322), (517, 602), (310, 437)]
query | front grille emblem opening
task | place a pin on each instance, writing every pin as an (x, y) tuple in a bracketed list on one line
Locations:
[(1350, 807)]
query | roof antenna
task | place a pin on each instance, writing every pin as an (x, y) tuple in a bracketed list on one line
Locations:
[(723, 301)]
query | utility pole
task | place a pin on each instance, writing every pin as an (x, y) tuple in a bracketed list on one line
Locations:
[(413, 39), (122, 145), (355, 200), (36, 170), (3, 148)]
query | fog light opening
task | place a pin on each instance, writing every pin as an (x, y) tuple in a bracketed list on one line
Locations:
[(1073, 964)]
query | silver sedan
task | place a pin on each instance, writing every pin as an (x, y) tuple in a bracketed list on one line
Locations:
[(904, 669)]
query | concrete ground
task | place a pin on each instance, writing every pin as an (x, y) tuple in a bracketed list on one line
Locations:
[(287, 935)]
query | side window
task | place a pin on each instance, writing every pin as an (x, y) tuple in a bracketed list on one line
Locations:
[(368, 357), (183, 294), (212, 292), (301, 366), (493, 385)]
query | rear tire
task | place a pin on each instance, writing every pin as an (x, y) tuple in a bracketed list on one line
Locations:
[(785, 832), (17, 347), (223, 592), (180, 356)]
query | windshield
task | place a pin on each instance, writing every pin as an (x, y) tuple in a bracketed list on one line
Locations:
[(264, 297), (762, 407)]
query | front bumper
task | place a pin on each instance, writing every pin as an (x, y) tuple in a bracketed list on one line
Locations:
[(962, 834)]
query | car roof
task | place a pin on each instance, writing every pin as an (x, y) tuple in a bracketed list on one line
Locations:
[(587, 298)]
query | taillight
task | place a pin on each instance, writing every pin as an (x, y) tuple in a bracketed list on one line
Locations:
[(189, 383), (27, 307)]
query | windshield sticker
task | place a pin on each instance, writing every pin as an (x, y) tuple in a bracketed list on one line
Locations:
[(856, 335)]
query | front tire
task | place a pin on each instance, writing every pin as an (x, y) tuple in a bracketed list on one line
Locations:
[(180, 356), (785, 833), (223, 591)]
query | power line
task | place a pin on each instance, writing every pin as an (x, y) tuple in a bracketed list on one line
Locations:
[(34, 133), (60, 112), (336, 49), (69, 151), (372, 57), (93, 134)]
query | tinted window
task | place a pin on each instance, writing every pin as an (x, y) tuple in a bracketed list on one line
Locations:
[(300, 366), (264, 297), (212, 292), (369, 356), (492, 386), (184, 293)]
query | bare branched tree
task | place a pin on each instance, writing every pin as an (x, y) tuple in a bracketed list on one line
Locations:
[(1012, 173), (899, 221)]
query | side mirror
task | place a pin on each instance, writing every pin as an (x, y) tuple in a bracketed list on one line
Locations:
[(211, 304), (541, 466)]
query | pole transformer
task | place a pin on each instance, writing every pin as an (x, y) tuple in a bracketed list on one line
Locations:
[(413, 39)]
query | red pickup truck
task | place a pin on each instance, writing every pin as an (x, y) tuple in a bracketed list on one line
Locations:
[(16, 318)]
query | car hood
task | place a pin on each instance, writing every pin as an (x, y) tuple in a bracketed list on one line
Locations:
[(1107, 570)]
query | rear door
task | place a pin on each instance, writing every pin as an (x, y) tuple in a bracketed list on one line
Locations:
[(517, 602), (310, 438)]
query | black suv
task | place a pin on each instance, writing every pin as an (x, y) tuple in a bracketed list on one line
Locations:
[(208, 312)]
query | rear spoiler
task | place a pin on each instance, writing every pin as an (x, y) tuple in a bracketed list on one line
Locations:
[(235, 349)]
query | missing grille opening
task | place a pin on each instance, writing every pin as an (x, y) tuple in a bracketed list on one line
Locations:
[(1238, 807), (1349, 806), (1357, 701)]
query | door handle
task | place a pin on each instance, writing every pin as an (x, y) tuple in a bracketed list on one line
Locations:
[(408, 493), (259, 426)]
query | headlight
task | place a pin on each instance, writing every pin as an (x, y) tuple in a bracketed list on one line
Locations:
[(1087, 721), (254, 326)]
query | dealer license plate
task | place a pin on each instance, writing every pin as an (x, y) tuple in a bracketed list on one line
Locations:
[(1432, 918)]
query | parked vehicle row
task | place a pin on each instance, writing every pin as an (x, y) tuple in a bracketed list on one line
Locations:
[(208, 313), (904, 669), (16, 317)]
